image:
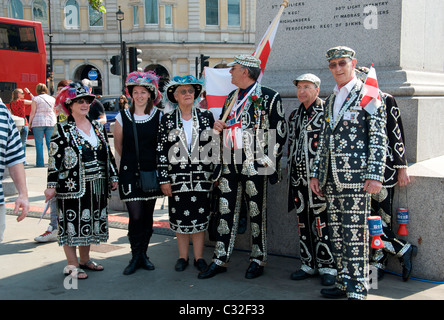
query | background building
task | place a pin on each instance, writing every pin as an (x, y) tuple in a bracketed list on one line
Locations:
[(170, 34)]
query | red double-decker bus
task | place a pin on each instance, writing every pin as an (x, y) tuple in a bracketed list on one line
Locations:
[(22, 56)]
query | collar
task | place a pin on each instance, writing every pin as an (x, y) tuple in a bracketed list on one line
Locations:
[(242, 92), (349, 86)]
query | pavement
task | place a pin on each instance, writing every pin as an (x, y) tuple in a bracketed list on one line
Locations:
[(31, 270)]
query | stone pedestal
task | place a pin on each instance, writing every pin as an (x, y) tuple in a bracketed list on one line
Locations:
[(403, 40)]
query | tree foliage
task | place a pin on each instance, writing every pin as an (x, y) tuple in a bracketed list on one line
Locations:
[(97, 5)]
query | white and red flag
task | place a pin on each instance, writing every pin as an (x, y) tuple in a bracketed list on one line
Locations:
[(371, 99), (217, 85), (264, 47), (218, 81)]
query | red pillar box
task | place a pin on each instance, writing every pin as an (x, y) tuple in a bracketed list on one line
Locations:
[(402, 217), (375, 230)]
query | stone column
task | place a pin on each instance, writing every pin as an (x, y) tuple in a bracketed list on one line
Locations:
[(403, 40)]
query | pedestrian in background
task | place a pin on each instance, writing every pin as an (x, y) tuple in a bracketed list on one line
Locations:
[(145, 117), (81, 174), (96, 109), (42, 120), (18, 108), (123, 102)]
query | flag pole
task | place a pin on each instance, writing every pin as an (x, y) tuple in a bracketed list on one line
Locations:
[(257, 54), (270, 29)]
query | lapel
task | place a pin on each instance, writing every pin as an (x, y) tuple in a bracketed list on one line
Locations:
[(100, 133), (351, 99), (316, 108), (195, 132), (70, 128), (247, 115)]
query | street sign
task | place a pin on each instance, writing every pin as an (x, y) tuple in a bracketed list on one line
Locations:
[(92, 75)]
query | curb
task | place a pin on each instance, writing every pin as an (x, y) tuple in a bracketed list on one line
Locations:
[(118, 222)]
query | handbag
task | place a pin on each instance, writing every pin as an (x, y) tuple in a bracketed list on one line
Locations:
[(147, 180)]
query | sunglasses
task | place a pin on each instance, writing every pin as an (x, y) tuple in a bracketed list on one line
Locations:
[(185, 91), (82, 101), (341, 63)]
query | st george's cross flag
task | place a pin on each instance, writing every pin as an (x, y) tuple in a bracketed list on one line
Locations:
[(371, 99), (266, 44), (218, 81), (217, 85)]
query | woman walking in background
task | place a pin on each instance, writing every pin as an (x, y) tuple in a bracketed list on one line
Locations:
[(42, 120), (18, 108)]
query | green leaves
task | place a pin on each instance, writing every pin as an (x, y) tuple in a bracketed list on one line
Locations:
[(97, 5)]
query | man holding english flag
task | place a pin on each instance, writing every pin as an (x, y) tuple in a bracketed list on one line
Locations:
[(253, 137), (253, 132)]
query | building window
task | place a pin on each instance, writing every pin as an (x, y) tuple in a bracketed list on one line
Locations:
[(39, 12), (72, 15), (234, 13), (95, 17), (212, 12), (168, 15), (135, 15), (151, 12), (15, 9)]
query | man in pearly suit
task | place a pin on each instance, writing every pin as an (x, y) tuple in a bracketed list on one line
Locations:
[(349, 167), (253, 138), (304, 126), (382, 203)]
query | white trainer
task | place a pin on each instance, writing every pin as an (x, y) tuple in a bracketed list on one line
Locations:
[(47, 236)]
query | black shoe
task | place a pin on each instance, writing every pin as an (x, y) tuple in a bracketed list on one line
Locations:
[(333, 293), (328, 280), (146, 263), (181, 264), (254, 270), (300, 275), (242, 226), (136, 252), (134, 264), (200, 264), (211, 271), (406, 262)]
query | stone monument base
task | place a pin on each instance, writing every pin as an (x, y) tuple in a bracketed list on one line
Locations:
[(426, 220)]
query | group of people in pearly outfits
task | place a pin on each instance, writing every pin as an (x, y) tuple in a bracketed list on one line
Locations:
[(338, 157)]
